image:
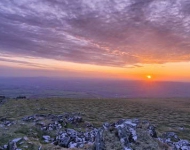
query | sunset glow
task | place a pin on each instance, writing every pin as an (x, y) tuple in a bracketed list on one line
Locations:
[(95, 41)]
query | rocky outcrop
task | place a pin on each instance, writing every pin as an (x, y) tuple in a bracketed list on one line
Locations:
[(171, 139), (4, 122), (71, 138), (99, 140), (71, 131)]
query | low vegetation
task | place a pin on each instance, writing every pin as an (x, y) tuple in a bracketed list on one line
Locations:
[(169, 114)]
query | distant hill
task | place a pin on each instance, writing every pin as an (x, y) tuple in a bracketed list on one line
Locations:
[(86, 88)]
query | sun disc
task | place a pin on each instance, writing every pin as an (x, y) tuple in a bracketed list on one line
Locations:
[(149, 76)]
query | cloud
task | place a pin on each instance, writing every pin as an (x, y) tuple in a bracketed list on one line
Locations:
[(102, 32), (25, 63)]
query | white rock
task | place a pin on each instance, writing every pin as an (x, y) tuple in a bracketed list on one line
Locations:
[(16, 140), (46, 138)]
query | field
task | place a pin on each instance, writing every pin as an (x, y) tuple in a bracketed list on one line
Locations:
[(168, 114)]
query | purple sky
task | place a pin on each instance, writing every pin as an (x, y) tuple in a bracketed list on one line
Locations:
[(112, 33)]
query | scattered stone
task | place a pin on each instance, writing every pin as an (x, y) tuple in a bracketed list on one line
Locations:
[(46, 138), (127, 134), (181, 128), (16, 140), (106, 125), (40, 147), (6, 123), (70, 138), (25, 138), (152, 131), (12, 146), (171, 139), (182, 145), (64, 142), (99, 142), (88, 125), (5, 146), (57, 121), (29, 118)]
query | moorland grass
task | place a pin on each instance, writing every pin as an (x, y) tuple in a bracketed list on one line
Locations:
[(168, 114)]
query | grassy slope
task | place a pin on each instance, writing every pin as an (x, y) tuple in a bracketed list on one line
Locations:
[(166, 114)]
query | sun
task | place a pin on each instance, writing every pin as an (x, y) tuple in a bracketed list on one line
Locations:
[(149, 77)]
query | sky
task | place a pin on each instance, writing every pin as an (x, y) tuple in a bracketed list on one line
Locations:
[(120, 39)]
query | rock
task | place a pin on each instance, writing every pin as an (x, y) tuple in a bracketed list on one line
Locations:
[(64, 142), (88, 125), (125, 134), (183, 145), (3, 119), (16, 140), (29, 118), (170, 137), (43, 128), (71, 138), (99, 142), (54, 126), (74, 118), (60, 120), (26, 146), (25, 138), (152, 131), (181, 128), (5, 146), (42, 124), (72, 145), (106, 125), (40, 147), (11, 146), (6, 123), (46, 138)]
